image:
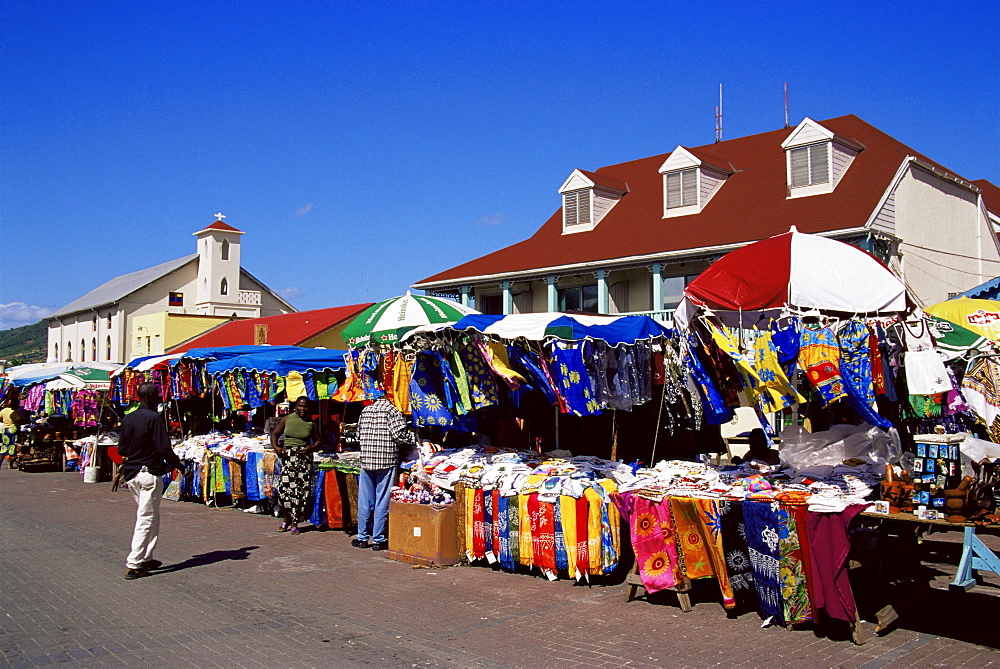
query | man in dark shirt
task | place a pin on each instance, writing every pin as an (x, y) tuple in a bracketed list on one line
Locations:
[(145, 449)]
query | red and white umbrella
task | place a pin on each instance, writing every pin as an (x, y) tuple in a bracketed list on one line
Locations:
[(798, 270)]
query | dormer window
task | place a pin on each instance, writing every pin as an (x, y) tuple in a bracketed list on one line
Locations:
[(576, 208), (810, 165), (816, 159), (587, 198), (690, 182), (682, 188)]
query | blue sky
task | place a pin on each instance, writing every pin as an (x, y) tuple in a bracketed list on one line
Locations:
[(365, 146)]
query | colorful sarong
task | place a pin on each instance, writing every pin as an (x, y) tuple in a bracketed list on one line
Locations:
[(594, 533), (828, 549), (582, 537), (762, 532), (737, 555), (567, 518), (478, 524), (653, 540), (525, 543), (792, 571), (501, 527), (514, 525)]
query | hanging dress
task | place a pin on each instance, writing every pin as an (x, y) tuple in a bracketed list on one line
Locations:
[(432, 394), (924, 368), (715, 410), (573, 380), (774, 391), (856, 371), (819, 356), (482, 388)]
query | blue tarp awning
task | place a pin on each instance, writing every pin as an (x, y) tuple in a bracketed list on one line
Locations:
[(984, 291), (280, 360), (225, 352), (612, 329)]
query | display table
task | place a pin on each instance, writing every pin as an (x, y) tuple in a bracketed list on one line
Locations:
[(975, 554)]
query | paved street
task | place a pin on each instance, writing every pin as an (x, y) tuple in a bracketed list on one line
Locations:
[(234, 592)]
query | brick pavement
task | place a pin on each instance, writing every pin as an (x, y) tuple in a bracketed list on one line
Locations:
[(237, 593)]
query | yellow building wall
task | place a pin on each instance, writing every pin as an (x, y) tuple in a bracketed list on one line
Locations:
[(332, 338), (152, 334)]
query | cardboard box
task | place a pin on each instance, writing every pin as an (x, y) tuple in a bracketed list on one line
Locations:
[(422, 534)]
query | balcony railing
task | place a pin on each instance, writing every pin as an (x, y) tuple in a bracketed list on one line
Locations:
[(249, 297), (662, 315)]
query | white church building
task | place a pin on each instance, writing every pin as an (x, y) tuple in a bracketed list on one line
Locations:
[(146, 312)]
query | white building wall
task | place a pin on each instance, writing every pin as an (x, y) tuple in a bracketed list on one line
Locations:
[(603, 201), (946, 246), (885, 220), (709, 183), (841, 158)]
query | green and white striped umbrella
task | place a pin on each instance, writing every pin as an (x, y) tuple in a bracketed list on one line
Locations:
[(384, 323)]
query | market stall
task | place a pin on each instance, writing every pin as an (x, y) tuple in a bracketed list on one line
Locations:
[(59, 403), (841, 373)]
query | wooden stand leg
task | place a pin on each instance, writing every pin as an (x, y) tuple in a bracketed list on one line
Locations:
[(683, 597), (975, 555), (857, 634), (634, 582)]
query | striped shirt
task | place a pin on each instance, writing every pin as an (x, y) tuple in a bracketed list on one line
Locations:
[(381, 429)]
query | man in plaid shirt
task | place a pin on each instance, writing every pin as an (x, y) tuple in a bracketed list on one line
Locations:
[(381, 431)]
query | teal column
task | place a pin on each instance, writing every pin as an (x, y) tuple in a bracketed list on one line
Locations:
[(657, 286), (466, 297), (551, 293), (602, 291), (508, 299)]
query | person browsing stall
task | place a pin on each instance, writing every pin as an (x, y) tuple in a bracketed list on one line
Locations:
[(759, 450), (10, 423), (300, 443), (146, 456), (381, 431)]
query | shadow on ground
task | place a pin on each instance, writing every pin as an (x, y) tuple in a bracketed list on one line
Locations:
[(211, 557)]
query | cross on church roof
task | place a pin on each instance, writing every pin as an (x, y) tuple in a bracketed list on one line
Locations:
[(219, 216)]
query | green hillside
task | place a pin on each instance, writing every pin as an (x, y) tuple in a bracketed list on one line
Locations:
[(28, 343)]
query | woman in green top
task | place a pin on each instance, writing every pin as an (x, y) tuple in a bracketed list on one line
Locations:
[(296, 464)]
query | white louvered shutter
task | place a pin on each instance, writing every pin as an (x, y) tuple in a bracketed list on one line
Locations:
[(819, 166), (682, 188), (689, 185), (576, 207), (800, 166), (673, 190)]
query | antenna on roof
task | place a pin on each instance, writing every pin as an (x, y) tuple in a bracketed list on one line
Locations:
[(786, 104), (718, 118)]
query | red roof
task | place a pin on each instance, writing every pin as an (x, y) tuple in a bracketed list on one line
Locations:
[(219, 225), (605, 180), (991, 194), (750, 206), (282, 330)]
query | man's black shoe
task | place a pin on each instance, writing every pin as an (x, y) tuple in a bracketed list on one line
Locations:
[(149, 565), (357, 543), (132, 574), (380, 546)]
